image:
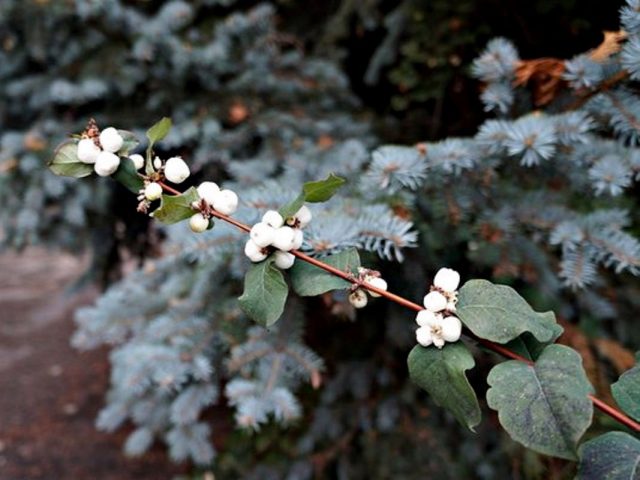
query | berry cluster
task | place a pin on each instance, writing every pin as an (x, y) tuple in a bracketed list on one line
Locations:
[(100, 148), (358, 296), (175, 170), (212, 198), (437, 322), (278, 235)]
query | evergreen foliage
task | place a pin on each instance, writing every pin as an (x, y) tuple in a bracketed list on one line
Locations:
[(542, 196)]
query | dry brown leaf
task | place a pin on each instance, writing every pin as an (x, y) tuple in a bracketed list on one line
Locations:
[(8, 165), (620, 358), (611, 45), (575, 338), (544, 75), (34, 142)]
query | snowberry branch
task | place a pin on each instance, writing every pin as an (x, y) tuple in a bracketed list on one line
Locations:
[(602, 406)]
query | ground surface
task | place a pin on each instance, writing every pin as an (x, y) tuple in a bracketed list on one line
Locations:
[(50, 393)]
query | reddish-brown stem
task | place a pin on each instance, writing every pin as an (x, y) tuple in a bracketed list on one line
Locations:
[(497, 348)]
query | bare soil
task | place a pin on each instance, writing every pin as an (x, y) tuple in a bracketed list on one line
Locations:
[(49, 392)]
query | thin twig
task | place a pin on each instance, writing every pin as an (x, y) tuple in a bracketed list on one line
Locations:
[(497, 348)]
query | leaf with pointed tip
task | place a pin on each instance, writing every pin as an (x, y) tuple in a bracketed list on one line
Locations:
[(128, 176), (65, 161), (497, 313), (543, 406), (626, 390), (612, 456), (174, 208), (158, 131), (308, 280), (441, 372), (265, 293), (322, 190)]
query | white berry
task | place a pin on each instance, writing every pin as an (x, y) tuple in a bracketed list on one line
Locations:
[(176, 170), (157, 163), (88, 151), (198, 223), (284, 260), (111, 140), (447, 279), (262, 234), (435, 301), (303, 216), (153, 191), (273, 219), (298, 239), (284, 238), (451, 329), (358, 298), (254, 252), (225, 202), (138, 160), (375, 282), (106, 164), (427, 318), (207, 191), (424, 337)]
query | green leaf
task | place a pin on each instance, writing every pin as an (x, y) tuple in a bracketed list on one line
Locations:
[(308, 280), (543, 406), (612, 456), (626, 391), (265, 293), (174, 208), (527, 346), (159, 131), (322, 190), (128, 176), (130, 141), (499, 314), (441, 373), (65, 161), (292, 207)]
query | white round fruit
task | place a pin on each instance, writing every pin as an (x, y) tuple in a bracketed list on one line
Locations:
[(88, 151), (157, 163), (358, 298), (262, 234), (225, 202), (451, 329), (284, 260), (176, 170), (254, 252), (303, 216), (106, 164), (138, 160), (153, 191), (273, 219), (284, 238), (198, 223), (426, 318), (424, 337), (447, 279), (298, 239), (207, 191), (375, 282), (111, 140), (435, 301)]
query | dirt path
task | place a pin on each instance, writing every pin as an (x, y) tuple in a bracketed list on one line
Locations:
[(50, 393)]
